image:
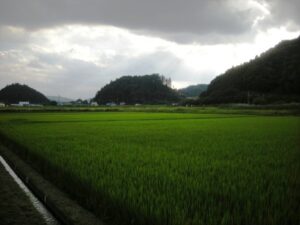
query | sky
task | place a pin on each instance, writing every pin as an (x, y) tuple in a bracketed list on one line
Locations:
[(72, 48)]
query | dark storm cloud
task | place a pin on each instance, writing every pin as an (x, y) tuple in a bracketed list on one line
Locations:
[(55, 74), (283, 12), (76, 61), (174, 19), (163, 62), (12, 38)]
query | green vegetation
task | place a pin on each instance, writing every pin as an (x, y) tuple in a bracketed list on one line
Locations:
[(15, 93), (272, 77), (162, 168), (281, 109), (193, 90), (147, 89)]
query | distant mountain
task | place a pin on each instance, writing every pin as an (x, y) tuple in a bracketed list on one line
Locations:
[(274, 76), (193, 90), (147, 89), (15, 93), (60, 99)]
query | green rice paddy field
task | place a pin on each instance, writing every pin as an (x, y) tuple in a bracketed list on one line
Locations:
[(167, 168)]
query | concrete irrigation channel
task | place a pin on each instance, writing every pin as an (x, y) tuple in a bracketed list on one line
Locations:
[(55, 206), (38, 205)]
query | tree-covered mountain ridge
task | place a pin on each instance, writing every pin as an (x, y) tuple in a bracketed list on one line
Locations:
[(274, 76), (14, 93), (146, 89)]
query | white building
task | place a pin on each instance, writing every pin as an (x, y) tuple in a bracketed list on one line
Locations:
[(2, 104), (94, 104), (21, 104), (111, 104), (24, 103)]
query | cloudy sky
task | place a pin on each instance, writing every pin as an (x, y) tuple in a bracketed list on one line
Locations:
[(72, 48)]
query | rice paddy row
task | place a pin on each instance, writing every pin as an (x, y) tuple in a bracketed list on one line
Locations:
[(168, 168)]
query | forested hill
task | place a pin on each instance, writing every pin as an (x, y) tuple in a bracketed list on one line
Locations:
[(147, 89), (193, 90), (14, 93), (274, 76)]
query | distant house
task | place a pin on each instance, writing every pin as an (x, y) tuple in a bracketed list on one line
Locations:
[(122, 103), (94, 104), (20, 104), (24, 103), (111, 104), (2, 104)]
